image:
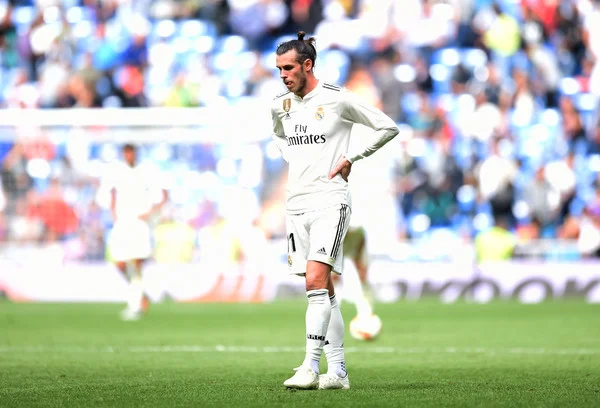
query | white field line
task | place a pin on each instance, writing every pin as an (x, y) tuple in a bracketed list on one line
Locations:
[(277, 349)]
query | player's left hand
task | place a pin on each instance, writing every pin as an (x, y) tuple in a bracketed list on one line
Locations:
[(343, 168), (145, 217)]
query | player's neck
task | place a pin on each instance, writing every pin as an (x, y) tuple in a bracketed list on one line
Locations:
[(311, 84)]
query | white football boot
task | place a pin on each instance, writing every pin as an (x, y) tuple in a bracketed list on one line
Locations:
[(334, 382), (129, 314), (303, 379)]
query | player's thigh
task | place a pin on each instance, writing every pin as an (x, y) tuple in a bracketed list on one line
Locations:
[(354, 243), (327, 231)]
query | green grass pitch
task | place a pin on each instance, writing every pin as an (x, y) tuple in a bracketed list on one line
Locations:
[(430, 354)]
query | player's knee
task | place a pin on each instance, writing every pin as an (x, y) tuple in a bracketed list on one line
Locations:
[(316, 281), (317, 275)]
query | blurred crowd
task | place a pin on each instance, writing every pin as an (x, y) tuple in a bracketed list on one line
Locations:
[(496, 100)]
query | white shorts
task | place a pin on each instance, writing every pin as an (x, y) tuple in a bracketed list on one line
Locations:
[(317, 236), (130, 239)]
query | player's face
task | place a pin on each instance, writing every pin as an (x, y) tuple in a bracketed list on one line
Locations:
[(292, 73), (129, 156)]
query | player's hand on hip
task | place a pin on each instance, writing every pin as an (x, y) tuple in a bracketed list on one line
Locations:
[(342, 168)]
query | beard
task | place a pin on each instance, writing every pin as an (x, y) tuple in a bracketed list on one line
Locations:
[(300, 83)]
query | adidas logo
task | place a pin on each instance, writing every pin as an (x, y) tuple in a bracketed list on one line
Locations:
[(322, 251)]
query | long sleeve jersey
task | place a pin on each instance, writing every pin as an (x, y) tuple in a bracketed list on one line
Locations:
[(313, 133)]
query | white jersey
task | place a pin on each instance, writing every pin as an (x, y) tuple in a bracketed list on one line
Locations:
[(137, 188), (313, 133)]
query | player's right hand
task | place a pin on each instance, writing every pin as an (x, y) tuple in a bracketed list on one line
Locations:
[(343, 168)]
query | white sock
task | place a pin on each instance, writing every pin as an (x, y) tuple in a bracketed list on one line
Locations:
[(334, 343), (318, 313), (136, 288)]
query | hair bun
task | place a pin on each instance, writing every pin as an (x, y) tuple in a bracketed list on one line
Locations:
[(301, 35)]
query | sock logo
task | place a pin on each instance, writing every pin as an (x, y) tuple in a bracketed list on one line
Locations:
[(343, 367), (315, 337)]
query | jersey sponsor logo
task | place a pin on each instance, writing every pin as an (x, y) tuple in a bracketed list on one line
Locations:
[(320, 114), (302, 138), (305, 140)]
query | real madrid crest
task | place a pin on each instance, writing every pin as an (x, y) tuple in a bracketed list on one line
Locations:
[(320, 114), (289, 260)]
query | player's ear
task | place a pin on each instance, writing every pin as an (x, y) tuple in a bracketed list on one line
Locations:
[(307, 65)]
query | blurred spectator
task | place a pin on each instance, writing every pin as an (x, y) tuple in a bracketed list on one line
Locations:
[(495, 179), (493, 86), (136, 52), (501, 36), (174, 239), (464, 10), (9, 57), (360, 81), (302, 15), (543, 199), (483, 123), (183, 94), (254, 19), (591, 39), (261, 81), (24, 228), (391, 89), (562, 175), (544, 61), (528, 231), (523, 100), (572, 126), (16, 182), (58, 217), (423, 80), (569, 39), (130, 87), (585, 229), (496, 243), (423, 119)]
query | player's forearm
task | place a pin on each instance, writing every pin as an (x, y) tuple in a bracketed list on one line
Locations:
[(382, 136), (158, 206)]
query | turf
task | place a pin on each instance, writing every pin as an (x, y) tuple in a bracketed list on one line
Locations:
[(229, 355)]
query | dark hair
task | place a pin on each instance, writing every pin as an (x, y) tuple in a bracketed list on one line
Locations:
[(305, 49), (129, 146)]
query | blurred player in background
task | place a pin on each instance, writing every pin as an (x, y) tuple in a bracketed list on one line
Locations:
[(354, 285), (312, 124), (374, 222), (135, 197)]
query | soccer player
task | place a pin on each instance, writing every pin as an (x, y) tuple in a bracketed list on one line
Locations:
[(312, 123), (135, 197)]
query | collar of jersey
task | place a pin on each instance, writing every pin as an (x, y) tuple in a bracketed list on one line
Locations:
[(311, 93)]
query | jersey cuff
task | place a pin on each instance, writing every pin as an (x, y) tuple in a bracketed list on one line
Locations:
[(352, 159)]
